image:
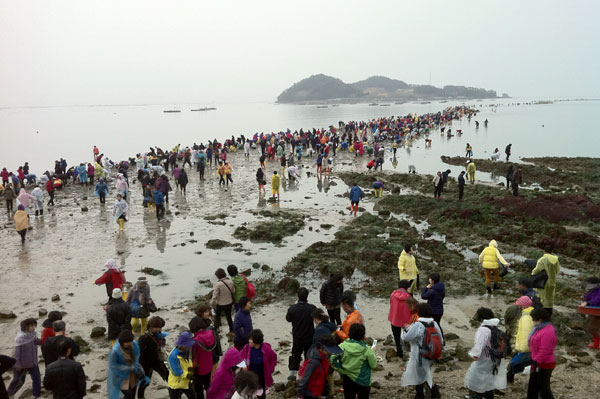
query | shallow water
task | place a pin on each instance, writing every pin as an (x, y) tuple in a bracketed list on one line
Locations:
[(559, 129)]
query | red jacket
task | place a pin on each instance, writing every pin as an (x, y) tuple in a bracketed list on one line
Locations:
[(399, 314), (47, 332), (542, 344), (49, 186), (313, 375), (113, 279), (4, 174)]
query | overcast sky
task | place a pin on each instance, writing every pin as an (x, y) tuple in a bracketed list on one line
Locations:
[(167, 52)]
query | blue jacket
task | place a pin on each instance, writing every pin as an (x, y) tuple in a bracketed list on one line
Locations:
[(159, 197), (324, 328), (355, 194), (435, 297), (242, 326)]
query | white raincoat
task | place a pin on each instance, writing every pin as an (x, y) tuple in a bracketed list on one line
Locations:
[(121, 208), (38, 199), (479, 377), (418, 373)]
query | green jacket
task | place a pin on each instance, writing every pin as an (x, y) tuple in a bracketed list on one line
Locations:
[(550, 264), (356, 362), (240, 288)]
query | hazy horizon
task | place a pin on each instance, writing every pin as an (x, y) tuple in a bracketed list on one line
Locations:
[(148, 52)]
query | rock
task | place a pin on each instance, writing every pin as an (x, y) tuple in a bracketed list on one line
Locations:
[(90, 321), (84, 209), (587, 360), (198, 252), (284, 343), (97, 332), (389, 340), (55, 298), (7, 314), (151, 271), (290, 392), (42, 312), (288, 284), (390, 354), (256, 265), (451, 336), (462, 354), (375, 385), (94, 388), (384, 212), (265, 268), (326, 226), (191, 233), (279, 387), (441, 368), (217, 244)]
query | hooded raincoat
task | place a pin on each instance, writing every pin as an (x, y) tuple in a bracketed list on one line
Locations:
[(490, 256), (399, 314), (418, 369), (480, 377), (550, 264), (356, 362), (120, 369), (221, 386), (407, 268), (38, 199)]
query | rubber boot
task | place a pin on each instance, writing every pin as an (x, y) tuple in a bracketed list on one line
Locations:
[(355, 209), (121, 224), (595, 344), (37, 213), (489, 289), (41, 212)]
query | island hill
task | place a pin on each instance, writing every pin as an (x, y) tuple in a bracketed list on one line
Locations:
[(322, 88)]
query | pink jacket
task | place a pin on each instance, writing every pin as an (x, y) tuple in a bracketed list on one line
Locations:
[(269, 359), (203, 358), (399, 314), (542, 344), (221, 386)]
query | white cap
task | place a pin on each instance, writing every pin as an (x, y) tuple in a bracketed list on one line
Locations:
[(117, 293)]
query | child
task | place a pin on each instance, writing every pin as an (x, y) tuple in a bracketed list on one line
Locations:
[(399, 315), (260, 359), (315, 378), (592, 298), (523, 358), (202, 354), (181, 368), (26, 354), (246, 386), (483, 377)]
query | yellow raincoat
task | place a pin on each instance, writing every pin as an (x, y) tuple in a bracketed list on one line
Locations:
[(21, 220), (524, 328), (407, 268), (490, 256)]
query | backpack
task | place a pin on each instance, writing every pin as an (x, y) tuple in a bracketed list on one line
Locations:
[(431, 347), (499, 346), (250, 289)]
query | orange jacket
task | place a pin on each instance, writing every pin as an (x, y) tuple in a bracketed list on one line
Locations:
[(352, 318)]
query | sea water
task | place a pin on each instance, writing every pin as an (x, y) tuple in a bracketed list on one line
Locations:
[(41, 135)]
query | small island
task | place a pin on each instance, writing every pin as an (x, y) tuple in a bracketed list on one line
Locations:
[(323, 89)]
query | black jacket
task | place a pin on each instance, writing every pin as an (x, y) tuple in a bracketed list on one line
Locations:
[(118, 316), (50, 346), (6, 364), (331, 295), (300, 315), (461, 180), (66, 379), (149, 349)]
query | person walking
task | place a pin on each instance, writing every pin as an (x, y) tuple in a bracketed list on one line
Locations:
[(140, 303), (399, 315), (314, 381), (224, 376), (517, 178), (303, 330), (182, 180), (355, 196), (542, 342), (50, 350), (65, 377), (37, 196), (120, 211), (438, 185), (407, 268), (489, 259), (152, 355), (471, 170), (240, 284), (113, 277), (202, 354), (6, 363), (181, 367), (461, 185), (21, 222), (550, 264), (260, 179), (50, 189), (101, 190), (330, 296), (125, 373), (522, 358), (159, 203), (9, 197), (222, 299), (261, 359), (118, 315), (508, 151), (434, 293), (419, 370), (242, 324), (484, 376), (26, 356), (228, 171), (275, 184), (355, 364), (509, 174)]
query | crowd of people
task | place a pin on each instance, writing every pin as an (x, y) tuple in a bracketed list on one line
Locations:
[(323, 341)]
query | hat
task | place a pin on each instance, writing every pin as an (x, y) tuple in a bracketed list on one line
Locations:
[(241, 364), (111, 264), (333, 349), (524, 302), (117, 293), (185, 339), (142, 279)]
